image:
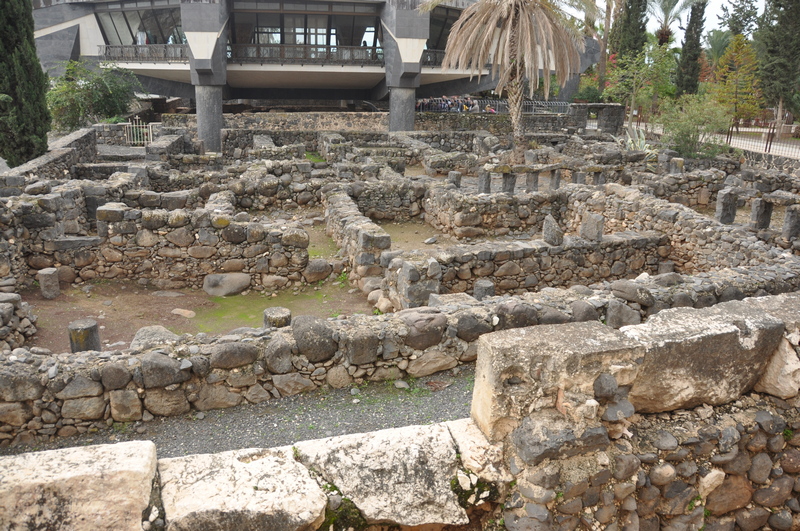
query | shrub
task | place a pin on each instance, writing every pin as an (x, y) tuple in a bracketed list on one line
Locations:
[(84, 95), (691, 124)]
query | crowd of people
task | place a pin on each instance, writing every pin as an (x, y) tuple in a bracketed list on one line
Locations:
[(454, 104)]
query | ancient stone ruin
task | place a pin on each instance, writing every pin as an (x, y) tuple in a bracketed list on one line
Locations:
[(636, 360)]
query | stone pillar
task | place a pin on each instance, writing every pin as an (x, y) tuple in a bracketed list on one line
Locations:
[(598, 178), (277, 317), (761, 213), (483, 288), (401, 109), (84, 335), (532, 181), (484, 182), (726, 206), (509, 183), (676, 166), (791, 223), (578, 177), (592, 226), (48, 282), (555, 179), (454, 177), (209, 116)]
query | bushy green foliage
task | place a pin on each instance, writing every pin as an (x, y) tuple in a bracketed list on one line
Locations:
[(84, 95), (691, 123), (24, 121)]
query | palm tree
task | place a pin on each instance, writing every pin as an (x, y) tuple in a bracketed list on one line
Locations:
[(666, 13), (519, 38), (717, 42)]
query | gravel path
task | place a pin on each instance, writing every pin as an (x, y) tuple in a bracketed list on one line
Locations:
[(322, 413)]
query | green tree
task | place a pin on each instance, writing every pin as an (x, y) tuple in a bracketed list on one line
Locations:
[(521, 37), (24, 121), (737, 86), (641, 76), (84, 95), (691, 124), (717, 42), (779, 64), (666, 13), (740, 19), (688, 77), (631, 36)]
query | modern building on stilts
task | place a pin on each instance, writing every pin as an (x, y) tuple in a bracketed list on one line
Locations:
[(218, 50)]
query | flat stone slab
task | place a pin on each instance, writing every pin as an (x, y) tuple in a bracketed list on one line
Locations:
[(91, 488), (399, 476), (241, 489)]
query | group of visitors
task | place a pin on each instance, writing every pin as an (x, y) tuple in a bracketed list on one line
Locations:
[(454, 104)]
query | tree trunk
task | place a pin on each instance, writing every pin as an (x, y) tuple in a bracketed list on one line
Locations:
[(514, 90), (602, 65)]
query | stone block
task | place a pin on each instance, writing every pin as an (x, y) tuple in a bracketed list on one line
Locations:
[(727, 201), (517, 368), (48, 283), (592, 225), (712, 356), (98, 488), (277, 317), (209, 491), (409, 496)]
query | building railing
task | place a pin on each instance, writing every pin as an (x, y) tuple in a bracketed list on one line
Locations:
[(304, 54), (457, 104), (146, 53), (432, 57)]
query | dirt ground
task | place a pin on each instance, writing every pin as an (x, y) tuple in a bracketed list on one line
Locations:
[(121, 309)]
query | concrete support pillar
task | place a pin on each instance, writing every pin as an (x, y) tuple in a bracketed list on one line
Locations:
[(726, 206), (532, 181), (484, 182), (509, 183), (401, 109), (761, 213), (209, 116)]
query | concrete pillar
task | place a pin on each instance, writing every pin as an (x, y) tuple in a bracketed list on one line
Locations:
[(209, 116), (791, 223), (532, 181), (726, 206), (555, 179), (401, 108), (484, 182), (761, 213), (509, 183), (48, 282), (84, 335), (454, 177)]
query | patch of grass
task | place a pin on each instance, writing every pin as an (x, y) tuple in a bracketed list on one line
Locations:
[(314, 156), (788, 433)]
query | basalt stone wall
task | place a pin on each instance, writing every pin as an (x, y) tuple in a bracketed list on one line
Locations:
[(274, 121), (500, 124), (465, 215), (75, 148), (580, 438), (773, 162), (698, 243), (110, 134), (523, 266)]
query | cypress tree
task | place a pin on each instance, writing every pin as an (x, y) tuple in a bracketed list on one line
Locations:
[(24, 120), (629, 39), (741, 18), (689, 64), (779, 64)]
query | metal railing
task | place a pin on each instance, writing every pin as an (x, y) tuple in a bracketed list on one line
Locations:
[(146, 53), (138, 133), (432, 57), (457, 104), (304, 54)]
